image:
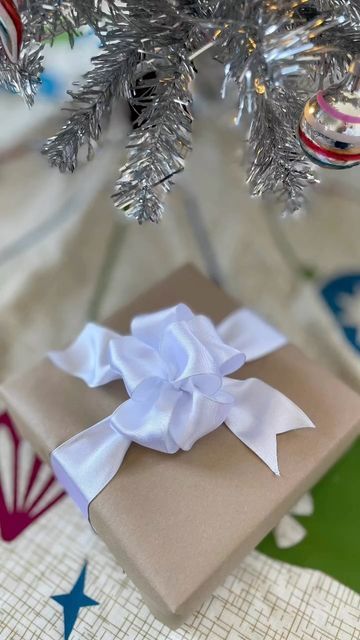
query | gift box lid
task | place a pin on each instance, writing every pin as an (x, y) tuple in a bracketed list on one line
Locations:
[(179, 523)]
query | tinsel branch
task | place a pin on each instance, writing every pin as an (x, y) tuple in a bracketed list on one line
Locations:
[(43, 21), (351, 8), (278, 164), (24, 77), (159, 144), (92, 103)]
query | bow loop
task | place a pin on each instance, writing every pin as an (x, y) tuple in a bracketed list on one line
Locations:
[(138, 364), (197, 357), (88, 357), (150, 327), (150, 420)]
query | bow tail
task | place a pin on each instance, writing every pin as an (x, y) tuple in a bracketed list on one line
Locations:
[(258, 414), (86, 463)]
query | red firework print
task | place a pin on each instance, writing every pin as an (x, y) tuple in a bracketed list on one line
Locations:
[(28, 489)]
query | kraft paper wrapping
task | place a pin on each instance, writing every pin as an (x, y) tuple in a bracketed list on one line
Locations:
[(179, 523)]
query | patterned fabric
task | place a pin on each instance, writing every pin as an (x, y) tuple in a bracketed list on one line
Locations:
[(262, 599)]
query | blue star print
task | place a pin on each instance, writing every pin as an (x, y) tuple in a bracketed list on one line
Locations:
[(73, 601), (342, 295)]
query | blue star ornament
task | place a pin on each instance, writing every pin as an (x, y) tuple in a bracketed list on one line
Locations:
[(342, 296), (73, 601)]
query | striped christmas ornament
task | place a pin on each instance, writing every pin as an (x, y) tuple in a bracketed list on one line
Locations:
[(329, 129), (11, 29)]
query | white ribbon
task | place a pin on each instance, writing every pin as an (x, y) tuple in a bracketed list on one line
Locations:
[(174, 366)]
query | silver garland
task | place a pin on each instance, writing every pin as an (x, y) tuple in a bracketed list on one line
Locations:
[(276, 53)]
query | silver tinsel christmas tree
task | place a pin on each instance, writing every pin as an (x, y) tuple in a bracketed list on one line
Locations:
[(275, 52)]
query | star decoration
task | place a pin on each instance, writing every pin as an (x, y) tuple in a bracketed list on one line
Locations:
[(73, 601), (342, 296), (350, 315), (289, 532)]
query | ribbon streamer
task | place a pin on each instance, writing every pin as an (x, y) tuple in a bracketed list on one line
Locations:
[(175, 367)]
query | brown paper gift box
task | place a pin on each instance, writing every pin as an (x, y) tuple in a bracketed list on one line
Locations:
[(179, 523)]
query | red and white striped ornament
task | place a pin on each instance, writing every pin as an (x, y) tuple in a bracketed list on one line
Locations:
[(329, 129), (11, 29)]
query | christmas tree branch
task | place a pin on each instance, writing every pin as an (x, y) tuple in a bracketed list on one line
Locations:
[(110, 77), (158, 146)]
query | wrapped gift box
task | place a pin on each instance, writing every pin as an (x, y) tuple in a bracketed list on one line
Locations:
[(179, 523)]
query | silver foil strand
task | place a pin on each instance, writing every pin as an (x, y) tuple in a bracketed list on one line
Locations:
[(158, 146)]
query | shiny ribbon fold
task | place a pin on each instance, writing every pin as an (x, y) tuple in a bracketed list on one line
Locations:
[(175, 367)]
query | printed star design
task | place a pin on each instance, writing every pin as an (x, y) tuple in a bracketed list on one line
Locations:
[(350, 311), (73, 601), (289, 532), (342, 297)]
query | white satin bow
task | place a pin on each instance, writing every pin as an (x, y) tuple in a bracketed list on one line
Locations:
[(174, 366)]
